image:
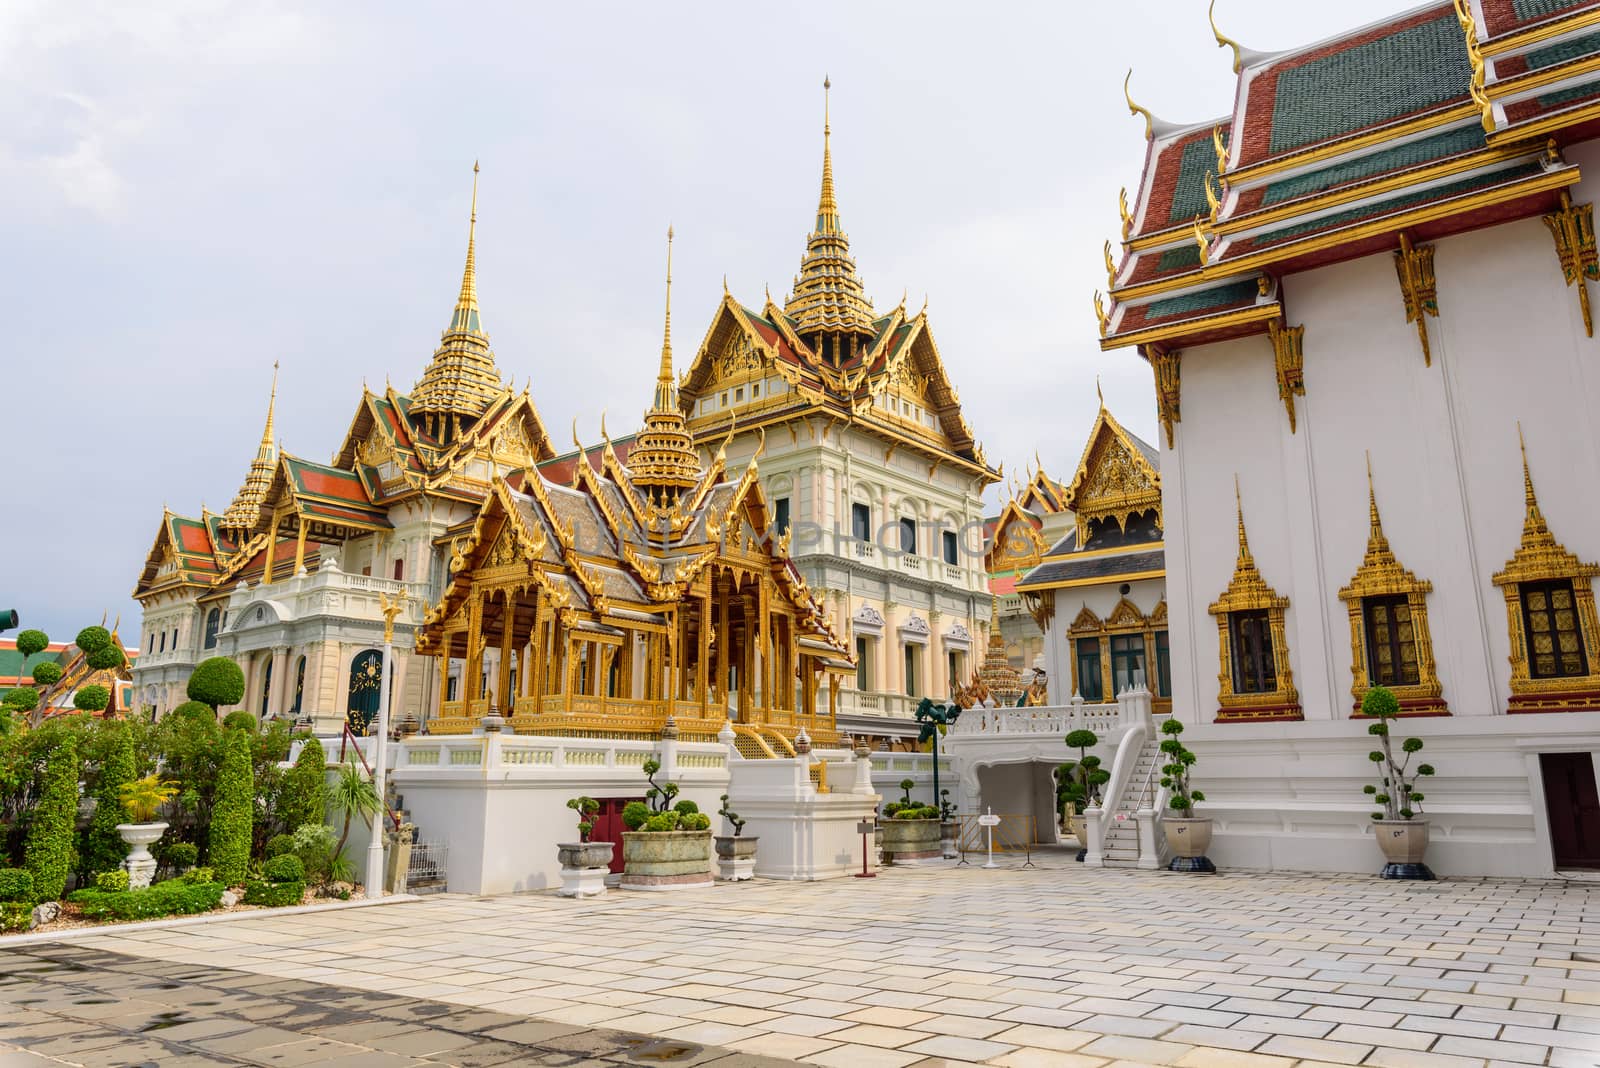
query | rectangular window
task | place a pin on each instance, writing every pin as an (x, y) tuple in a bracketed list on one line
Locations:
[(953, 664), (163, 641), (738, 394), (1254, 669), (152, 645), (399, 570), (911, 671), (1555, 640), (951, 548), (1090, 685), (863, 664), (1127, 662), (780, 516), (724, 398), (1163, 665), (450, 688), (861, 521), (755, 390), (1391, 641), (908, 536)]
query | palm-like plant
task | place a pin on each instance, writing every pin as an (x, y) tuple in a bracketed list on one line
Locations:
[(144, 797), (354, 795)]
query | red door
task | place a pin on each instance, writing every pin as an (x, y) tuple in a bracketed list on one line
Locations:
[(608, 826), (1573, 803)]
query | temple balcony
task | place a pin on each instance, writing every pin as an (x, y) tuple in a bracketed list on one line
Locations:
[(327, 591)]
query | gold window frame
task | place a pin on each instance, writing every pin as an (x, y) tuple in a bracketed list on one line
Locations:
[(1540, 558), (1381, 575), (1247, 591), (1087, 625)]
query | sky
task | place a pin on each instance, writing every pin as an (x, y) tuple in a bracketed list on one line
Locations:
[(193, 190)]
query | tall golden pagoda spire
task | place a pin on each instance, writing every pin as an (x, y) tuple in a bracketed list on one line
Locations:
[(246, 507), (828, 303), (461, 379), (1533, 524), (663, 462)]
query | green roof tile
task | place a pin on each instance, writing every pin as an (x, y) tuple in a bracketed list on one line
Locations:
[(1411, 154), (1534, 9), (1182, 256), (1204, 300), (1367, 84), (1189, 194), (1540, 58)]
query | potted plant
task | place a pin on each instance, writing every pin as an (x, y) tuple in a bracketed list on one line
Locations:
[(1188, 835), (736, 855), (1401, 835), (142, 800), (948, 827), (910, 829), (1081, 786), (584, 864), (667, 846)]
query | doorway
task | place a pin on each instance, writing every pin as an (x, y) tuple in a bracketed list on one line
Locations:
[(1573, 804), (608, 826)]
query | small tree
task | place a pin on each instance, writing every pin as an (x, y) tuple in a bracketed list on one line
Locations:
[(31, 643), (659, 795), (1398, 795), (92, 639), (103, 848), (106, 658), (1175, 773), (731, 816), (48, 853), (303, 797), (216, 681), (1085, 776), (91, 698), (354, 795), (585, 807), (46, 673), (229, 853)]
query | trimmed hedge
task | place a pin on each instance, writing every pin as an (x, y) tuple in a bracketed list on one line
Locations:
[(303, 795), (15, 916), (216, 681), (231, 816), (30, 642), (46, 673), (48, 853), (92, 698), (239, 719), (16, 884), (183, 855), (92, 639), (107, 658), (111, 880), (279, 844), (103, 848), (285, 869), (171, 898), (274, 894)]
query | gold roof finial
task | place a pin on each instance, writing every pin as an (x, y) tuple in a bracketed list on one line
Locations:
[(466, 312), (1202, 242), (827, 207), (246, 507), (272, 404), (1225, 41), (1533, 519), (1244, 542), (1135, 109), (666, 383), (663, 458), (1220, 147), (1099, 394)]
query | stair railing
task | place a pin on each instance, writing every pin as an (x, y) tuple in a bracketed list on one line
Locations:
[(1121, 771), (1147, 814)]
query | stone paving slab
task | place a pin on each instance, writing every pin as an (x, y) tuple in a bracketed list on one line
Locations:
[(938, 965)]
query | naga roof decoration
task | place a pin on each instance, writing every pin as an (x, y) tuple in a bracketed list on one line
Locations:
[(1439, 120)]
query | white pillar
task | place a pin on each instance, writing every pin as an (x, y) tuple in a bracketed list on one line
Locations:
[(374, 886)]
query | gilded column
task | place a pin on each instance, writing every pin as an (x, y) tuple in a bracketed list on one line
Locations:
[(508, 623), (475, 641)]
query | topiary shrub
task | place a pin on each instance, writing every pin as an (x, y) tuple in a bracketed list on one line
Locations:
[(287, 868), (175, 897), (275, 895), (216, 681), (181, 856), (102, 848), (30, 642), (229, 852), (585, 807), (694, 821), (661, 821), (195, 710), (196, 875), (303, 795), (15, 916), (92, 698), (1175, 773), (48, 852), (111, 880), (106, 658), (241, 720), (22, 699), (16, 884), (1398, 795), (279, 844), (635, 814), (685, 807), (47, 673), (92, 639)]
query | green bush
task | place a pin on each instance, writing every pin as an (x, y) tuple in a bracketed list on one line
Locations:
[(279, 844), (285, 869), (48, 852), (175, 897), (107, 658), (16, 884), (30, 642), (102, 848), (694, 821), (1399, 796), (183, 855), (314, 845), (195, 710), (196, 875), (240, 720), (274, 894), (635, 814), (111, 880), (15, 916), (685, 807), (915, 812), (661, 821), (22, 698), (216, 681), (47, 673), (229, 852), (1175, 774), (91, 639), (303, 793), (92, 698)]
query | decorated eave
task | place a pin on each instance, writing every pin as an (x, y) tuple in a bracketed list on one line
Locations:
[(1118, 478), (184, 553), (1444, 119)]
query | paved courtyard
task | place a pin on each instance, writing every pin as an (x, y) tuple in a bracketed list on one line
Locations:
[(1054, 965)]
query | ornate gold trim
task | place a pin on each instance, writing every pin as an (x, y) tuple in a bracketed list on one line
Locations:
[(1289, 358), (1475, 86), (1413, 265), (1166, 364), (1247, 591), (1572, 227), (1540, 558), (1381, 575), (1113, 479)]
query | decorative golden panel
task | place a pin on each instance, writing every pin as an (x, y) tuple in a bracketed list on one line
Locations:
[(1413, 265), (1113, 481), (1539, 559), (1168, 369), (1290, 360), (1572, 227), (1248, 592), (1381, 575)]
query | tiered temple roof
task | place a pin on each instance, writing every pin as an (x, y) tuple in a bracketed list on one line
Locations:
[(1446, 118)]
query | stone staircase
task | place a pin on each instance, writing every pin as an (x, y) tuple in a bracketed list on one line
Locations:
[(1121, 834)]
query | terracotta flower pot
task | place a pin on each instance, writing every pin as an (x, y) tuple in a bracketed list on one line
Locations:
[(1403, 843), (665, 860), (1188, 838)]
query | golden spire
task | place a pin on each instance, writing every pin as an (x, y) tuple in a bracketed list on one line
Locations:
[(1376, 541), (1245, 559), (666, 382), (663, 458), (827, 206), (242, 514), (1533, 519), (461, 380)]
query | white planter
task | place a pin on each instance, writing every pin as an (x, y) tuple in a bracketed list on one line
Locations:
[(140, 865)]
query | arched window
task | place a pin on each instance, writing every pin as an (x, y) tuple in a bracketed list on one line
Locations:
[(213, 622), (366, 678), (299, 685)]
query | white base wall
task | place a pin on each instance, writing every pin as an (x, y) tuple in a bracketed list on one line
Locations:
[(805, 835)]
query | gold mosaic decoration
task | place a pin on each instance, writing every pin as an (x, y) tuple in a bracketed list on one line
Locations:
[(1248, 592)]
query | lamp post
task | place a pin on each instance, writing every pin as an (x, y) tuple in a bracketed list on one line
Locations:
[(389, 609)]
